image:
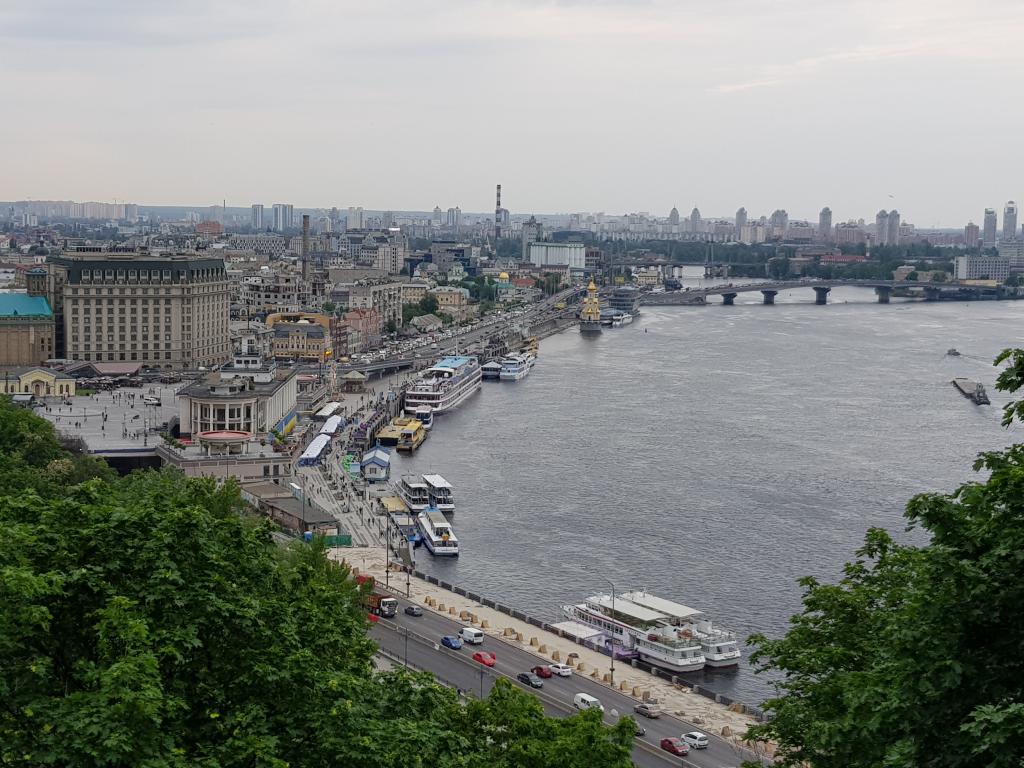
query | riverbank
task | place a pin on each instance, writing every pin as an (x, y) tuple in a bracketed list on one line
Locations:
[(695, 706)]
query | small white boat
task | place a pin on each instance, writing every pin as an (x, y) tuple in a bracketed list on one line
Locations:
[(425, 415), (414, 492), (491, 371), (437, 533), (440, 493)]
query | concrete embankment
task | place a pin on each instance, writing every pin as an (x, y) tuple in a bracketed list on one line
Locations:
[(712, 712)]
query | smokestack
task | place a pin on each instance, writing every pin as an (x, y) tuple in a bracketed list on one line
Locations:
[(305, 246), (497, 217)]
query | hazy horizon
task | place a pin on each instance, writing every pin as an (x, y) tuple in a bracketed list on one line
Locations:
[(613, 105)]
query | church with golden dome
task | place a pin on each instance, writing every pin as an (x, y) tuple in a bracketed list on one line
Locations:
[(590, 313)]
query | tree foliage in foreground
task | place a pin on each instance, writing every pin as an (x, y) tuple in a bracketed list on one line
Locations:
[(916, 657), (145, 622)]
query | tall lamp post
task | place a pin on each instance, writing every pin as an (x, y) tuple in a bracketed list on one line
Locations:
[(612, 649)]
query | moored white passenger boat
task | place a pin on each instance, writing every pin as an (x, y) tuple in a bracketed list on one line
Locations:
[(515, 367), (414, 492), (437, 533), (648, 633), (719, 646), (440, 493), (425, 415), (446, 384), (491, 371)]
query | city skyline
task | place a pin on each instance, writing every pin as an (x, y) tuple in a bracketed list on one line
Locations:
[(453, 99)]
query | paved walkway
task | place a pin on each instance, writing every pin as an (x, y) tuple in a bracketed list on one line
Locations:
[(677, 699)]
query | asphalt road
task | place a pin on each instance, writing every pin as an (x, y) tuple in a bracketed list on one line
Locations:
[(418, 641)]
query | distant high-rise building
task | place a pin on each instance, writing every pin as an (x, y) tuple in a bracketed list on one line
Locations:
[(741, 221), (825, 225), (991, 225), (533, 232), (778, 223), (438, 218), (971, 235), (695, 223), (388, 219), (455, 217), (284, 215), (893, 235), (673, 216), (354, 218), (335, 219), (881, 227), (257, 216), (1010, 221)]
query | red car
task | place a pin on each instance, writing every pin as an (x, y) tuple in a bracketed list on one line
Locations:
[(675, 746), (541, 672), (485, 657)]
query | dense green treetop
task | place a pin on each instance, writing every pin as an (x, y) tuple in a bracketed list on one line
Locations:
[(916, 657), (148, 622)]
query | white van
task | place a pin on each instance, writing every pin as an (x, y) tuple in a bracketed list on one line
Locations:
[(471, 635), (586, 701)]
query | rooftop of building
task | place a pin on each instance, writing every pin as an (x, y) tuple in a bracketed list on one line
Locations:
[(215, 387), (23, 305)]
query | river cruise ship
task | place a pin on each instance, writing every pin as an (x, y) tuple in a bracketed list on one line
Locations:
[(718, 645), (649, 634), (440, 493), (414, 492), (437, 533), (446, 384), (516, 367)]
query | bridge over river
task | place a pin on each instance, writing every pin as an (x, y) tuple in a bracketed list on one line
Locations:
[(770, 289)]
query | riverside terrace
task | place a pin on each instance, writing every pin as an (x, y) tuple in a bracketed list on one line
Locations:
[(883, 288)]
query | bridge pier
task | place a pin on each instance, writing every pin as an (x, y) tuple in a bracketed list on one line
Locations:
[(821, 294), (728, 299), (769, 296), (883, 294)]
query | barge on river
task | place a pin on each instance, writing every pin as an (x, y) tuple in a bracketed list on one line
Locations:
[(972, 390)]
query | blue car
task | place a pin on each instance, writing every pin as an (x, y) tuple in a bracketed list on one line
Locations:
[(451, 641)]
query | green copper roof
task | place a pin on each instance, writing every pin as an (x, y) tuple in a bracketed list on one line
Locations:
[(20, 304)]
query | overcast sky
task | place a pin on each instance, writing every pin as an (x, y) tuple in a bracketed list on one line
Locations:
[(593, 105)]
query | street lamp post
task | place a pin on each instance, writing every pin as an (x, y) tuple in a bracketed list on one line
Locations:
[(406, 646), (612, 649)]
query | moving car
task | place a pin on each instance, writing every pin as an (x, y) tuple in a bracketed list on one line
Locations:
[(675, 746), (562, 670), (696, 739), (413, 610), (647, 709), (541, 671), (638, 730), (485, 657), (530, 679), (451, 641)]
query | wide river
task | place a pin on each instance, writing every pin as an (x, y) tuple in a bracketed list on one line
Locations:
[(715, 454)]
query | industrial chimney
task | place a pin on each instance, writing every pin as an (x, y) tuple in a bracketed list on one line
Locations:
[(305, 247)]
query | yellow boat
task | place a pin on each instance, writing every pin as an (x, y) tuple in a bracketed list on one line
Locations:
[(411, 434), (530, 346)]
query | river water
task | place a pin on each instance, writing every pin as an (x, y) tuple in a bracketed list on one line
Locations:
[(715, 454)]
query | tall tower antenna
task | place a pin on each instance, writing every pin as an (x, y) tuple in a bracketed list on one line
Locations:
[(497, 217)]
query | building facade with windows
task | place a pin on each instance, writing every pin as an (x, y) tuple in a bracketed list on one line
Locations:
[(133, 306), (26, 330)]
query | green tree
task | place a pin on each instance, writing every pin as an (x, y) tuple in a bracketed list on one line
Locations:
[(914, 658), (147, 621), (913, 276), (329, 307), (428, 304)]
